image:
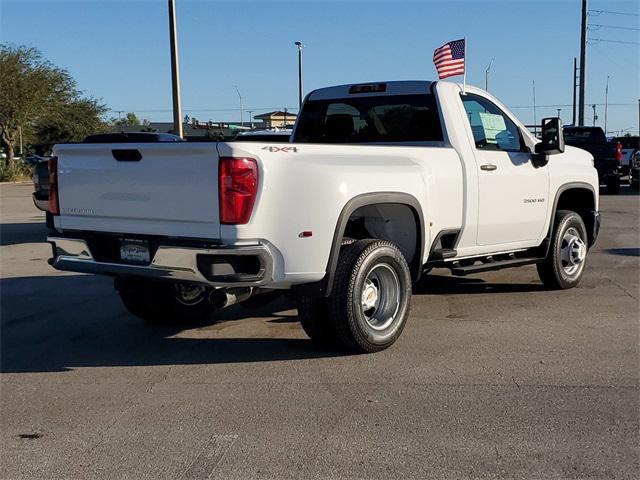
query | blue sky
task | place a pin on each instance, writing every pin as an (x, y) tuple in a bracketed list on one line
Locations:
[(118, 51)]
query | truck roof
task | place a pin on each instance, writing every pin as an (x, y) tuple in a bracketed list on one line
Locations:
[(402, 87)]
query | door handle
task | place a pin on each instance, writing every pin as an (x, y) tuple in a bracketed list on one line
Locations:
[(489, 167)]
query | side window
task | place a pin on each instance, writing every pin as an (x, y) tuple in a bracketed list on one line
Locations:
[(492, 129)]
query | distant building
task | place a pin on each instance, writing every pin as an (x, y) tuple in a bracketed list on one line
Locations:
[(277, 119), (193, 128)]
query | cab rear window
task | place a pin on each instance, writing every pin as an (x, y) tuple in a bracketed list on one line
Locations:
[(371, 119)]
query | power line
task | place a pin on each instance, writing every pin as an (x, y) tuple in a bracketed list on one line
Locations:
[(600, 40), (612, 26), (600, 12), (555, 105)]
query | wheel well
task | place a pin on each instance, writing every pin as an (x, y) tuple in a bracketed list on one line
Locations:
[(581, 201), (395, 222)]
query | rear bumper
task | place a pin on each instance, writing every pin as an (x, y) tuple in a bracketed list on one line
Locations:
[(41, 202), (222, 266)]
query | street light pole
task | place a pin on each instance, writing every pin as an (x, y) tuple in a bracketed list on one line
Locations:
[(241, 109), (300, 47), (606, 105), (595, 115), (175, 70), (575, 77), (250, 118), (583, 61), (486, 75), (559, 110)]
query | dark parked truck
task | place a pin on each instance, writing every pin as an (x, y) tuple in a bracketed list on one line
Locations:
[(606, 156)]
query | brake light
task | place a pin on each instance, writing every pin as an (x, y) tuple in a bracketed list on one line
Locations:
[(368, 88), (238, 187), (54, 201), (619, 152)]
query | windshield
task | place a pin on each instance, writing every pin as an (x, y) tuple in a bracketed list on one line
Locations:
[(373, 119), (583, 136)]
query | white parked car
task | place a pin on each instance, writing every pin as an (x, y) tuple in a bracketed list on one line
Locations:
[(380, 183)]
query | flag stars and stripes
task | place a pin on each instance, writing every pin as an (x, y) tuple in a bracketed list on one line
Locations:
[(449, 59)]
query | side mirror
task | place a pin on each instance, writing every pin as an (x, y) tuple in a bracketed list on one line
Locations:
[(552, 137)]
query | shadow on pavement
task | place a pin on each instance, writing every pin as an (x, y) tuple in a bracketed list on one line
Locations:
[(16, 233), (625, 252), (449, 285), (59, 323)]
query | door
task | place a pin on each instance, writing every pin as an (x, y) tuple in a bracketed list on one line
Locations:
[(512, 191)]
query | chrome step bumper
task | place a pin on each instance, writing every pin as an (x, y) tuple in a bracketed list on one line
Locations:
[(170, 262)]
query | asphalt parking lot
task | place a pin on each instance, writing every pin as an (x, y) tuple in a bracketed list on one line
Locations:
[(493, 377)]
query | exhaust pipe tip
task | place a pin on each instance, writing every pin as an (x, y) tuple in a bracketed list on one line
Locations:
[(225, 297)]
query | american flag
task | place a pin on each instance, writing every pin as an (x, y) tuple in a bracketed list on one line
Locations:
[(449, 59)]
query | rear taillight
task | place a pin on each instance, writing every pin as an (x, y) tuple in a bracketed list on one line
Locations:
[(238, 186), (54, 202), (619, 152)]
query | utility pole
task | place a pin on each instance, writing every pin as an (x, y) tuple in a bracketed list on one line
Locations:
[(486, 75), (300, 47), (583, 61), (595, 115), (606, 105), (241, 109), (175, 70), (575, 77), (250, 118), (559, 110)]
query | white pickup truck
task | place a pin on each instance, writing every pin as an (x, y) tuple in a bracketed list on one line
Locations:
[(380, 183)]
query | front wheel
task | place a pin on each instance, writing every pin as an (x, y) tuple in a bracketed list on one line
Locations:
[(567, 255), (371, 295), (158, 302)]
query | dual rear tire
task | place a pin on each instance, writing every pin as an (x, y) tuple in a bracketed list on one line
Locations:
[(369, 302), (167, 303)]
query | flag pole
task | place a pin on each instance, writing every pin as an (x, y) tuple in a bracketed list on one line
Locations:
[(464, 75)]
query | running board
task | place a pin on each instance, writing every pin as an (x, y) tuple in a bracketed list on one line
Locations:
[(442, 254), (494, 265)]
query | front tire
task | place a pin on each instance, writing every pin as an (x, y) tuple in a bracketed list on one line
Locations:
[(173, 303), (567, 255), (371, 295)]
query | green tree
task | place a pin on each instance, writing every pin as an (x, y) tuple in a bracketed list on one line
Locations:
[(40, 98), (129, 120), (73, 122)]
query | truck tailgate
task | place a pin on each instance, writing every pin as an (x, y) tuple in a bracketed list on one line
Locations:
[(168, 189)]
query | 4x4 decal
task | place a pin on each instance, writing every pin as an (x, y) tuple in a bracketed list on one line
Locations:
[(280, 149)]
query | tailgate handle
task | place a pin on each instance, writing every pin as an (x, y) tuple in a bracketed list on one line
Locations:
[(127, 155)]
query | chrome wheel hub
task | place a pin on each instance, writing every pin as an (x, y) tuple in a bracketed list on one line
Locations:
[(573, 251), (369, 295), (380, 299)]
